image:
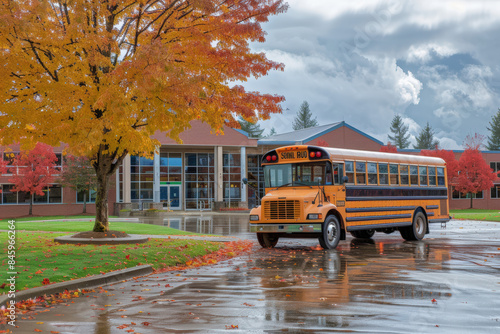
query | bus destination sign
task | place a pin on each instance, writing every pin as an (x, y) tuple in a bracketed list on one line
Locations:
[(293, 155)]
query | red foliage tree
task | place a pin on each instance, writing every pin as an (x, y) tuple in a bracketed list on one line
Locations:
[(389, 148), (321, 142), (35, 170), (475, 174), (449, 158), (3, 168)]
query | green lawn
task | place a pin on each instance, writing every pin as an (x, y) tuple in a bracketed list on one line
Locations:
[(38, 257), (476, 214), (64, 226), (34, 218)]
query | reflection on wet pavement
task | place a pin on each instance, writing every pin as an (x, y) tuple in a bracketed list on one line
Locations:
[(231, 225), (448, 283)]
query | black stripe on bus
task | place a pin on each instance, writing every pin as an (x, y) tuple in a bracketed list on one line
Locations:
[(394, 198), (369, 227), (430, 213), (429, 207), (440, 220), (365, 218), (379, 209), (412, 192)]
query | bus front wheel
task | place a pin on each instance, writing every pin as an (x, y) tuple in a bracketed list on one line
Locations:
[(417, 230), (267, 240), (330, 235)]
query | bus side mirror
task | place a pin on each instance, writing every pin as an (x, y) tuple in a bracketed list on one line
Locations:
[(244, 180), (345, 179)]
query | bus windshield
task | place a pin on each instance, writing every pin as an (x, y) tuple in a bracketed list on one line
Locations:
[(299, 174)]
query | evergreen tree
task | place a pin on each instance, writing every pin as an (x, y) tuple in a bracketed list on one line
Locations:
[(494, 138), (400, 137), (272, 132), (304, 118), (252, 128), (425, 139)]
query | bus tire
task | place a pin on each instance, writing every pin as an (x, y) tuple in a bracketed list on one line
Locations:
[(267, 240), (417, 230), (331, 232), (363, 234)]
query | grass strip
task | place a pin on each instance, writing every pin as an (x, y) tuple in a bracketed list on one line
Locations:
[(476, 214), (62, 226), (36, 218), (40, 260)]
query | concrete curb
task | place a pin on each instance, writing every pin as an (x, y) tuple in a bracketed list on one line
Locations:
[(80, 283), (133, 239)]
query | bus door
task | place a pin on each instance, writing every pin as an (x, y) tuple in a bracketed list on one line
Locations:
[(335, 172)]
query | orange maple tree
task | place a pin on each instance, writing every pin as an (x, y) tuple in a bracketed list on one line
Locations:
[(103, 76)]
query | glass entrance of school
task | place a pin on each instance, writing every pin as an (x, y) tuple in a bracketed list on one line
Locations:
[(170, 195)]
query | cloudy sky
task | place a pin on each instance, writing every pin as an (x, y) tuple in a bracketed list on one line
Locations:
[(364, 61)]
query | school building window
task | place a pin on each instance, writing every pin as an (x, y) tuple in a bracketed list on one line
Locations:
[(495, 191), (458, 195)]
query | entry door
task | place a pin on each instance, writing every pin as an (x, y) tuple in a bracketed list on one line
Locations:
[(170, 196)]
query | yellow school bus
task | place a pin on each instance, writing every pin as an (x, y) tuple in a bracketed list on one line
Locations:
[(322, 192)]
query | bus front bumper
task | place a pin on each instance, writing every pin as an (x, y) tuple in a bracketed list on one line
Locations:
[(286, 228)]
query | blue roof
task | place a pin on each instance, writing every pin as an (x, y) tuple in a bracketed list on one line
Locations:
[(242, 132), (302, 136)]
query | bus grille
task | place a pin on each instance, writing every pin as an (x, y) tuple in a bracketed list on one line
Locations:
[(282, 209)]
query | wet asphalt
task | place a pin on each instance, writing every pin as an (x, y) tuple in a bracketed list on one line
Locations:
[(447, 283)]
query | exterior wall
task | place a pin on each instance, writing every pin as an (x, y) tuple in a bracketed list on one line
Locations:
[(201, 134), (67, 207), (344, 137), (486, 203)]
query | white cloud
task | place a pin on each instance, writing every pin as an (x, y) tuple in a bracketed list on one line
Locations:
[(409, 88), (423, 53), (329, 11), (446, 143), (433, 62)]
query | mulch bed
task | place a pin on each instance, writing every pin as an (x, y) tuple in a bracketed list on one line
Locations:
[(97, 235)]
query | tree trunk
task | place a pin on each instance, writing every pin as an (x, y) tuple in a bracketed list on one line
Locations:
[(31, 204), (471, 204), (85, 202), (101, 202), (105, 164)]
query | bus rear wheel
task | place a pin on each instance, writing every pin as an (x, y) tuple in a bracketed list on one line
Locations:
[(417, 230), (330, 235), (267, 240), (364, 234)]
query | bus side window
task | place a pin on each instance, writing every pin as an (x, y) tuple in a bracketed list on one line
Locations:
[(440, 173), (414, 175), (403, 169), (372, 173), (328, 173), (360, 172), (337, 174), (432, 176), (349, 171), (383, 173)]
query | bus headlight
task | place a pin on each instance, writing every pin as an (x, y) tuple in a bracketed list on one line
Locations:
[(254, 217), (314, 216)]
